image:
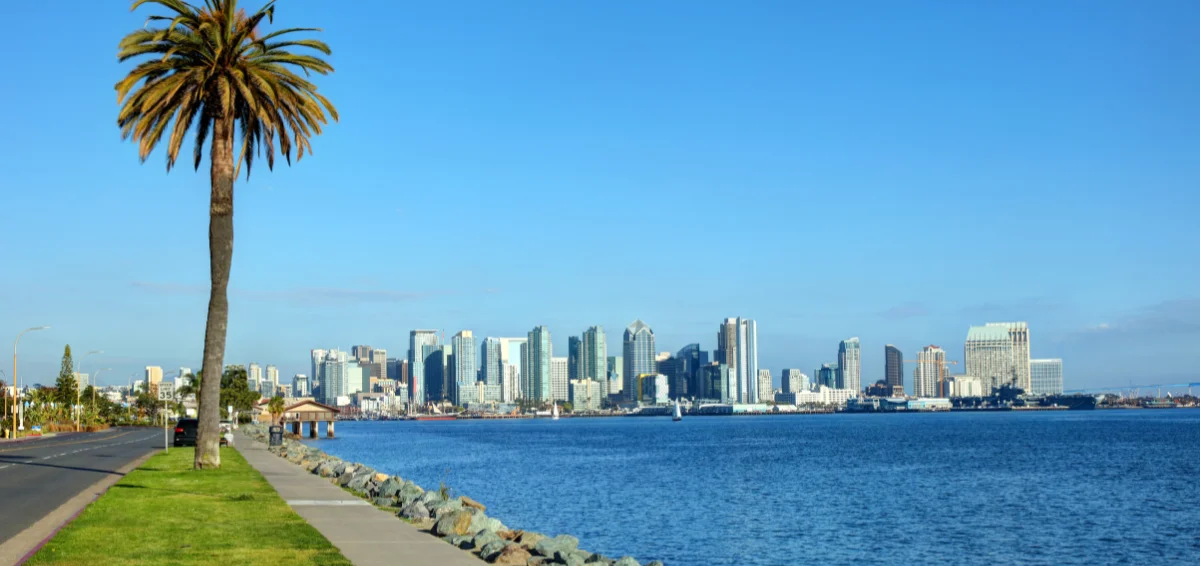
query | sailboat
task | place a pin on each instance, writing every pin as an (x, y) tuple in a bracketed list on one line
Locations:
[(554, 413), (678, 416)]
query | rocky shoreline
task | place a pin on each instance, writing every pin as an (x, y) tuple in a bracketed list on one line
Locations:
[(460, 521)]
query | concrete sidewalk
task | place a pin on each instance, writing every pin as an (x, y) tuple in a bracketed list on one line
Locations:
[(366, 536)]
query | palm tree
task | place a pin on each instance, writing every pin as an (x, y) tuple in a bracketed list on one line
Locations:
[(275, 406), (212, 68)]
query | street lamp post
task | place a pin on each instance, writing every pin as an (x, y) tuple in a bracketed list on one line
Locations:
[(16, 395), (78, 366), (95, 382)]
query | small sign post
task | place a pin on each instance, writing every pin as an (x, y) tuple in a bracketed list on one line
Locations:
[(166, 393)]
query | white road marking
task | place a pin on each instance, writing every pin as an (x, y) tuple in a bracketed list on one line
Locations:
[(97, 447)]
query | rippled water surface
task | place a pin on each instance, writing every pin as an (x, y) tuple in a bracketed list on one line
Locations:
[(1087, 487)]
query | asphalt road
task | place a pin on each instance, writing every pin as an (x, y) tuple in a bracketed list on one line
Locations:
[(37, 476)]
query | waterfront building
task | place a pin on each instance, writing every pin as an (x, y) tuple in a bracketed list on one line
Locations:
[(793, 381), (417, 341), (893, 366), (574, 357), (268, 389), (655, 389), (962, 386), (737, 346), (254, 373), (465, 370), (849, 365), (1046, 376), (585, 395), (616, 375), (716, 383), (638, 349), (1018, 334), (300, 385), (272, 375), (766, 386), (928, 375), (333, 378), (879, 389), (988, 355), (559, 379), (509, 386), (537, 352), (726, 352), (595, 358)]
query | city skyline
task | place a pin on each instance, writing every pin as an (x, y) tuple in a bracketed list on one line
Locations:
[(1046, 147)]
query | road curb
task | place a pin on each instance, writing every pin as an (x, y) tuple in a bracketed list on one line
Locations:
[(25, 544)]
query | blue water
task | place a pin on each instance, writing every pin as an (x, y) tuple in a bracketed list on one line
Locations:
[(1087, 487)]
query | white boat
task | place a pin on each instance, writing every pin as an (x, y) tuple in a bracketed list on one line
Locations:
[(554, 413), (678, 416)]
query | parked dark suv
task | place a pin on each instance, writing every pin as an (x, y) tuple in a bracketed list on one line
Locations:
[(186, 431)]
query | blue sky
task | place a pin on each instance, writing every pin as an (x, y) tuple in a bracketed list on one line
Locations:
[(895, 171)]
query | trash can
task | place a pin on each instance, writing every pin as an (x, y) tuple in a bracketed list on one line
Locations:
[(276, 436)]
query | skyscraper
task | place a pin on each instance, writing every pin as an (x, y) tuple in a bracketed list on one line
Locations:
[(510, 357), (595, 359), (827, 375), (988, 355), (574, 357), (1046, 376), (638, 349), (154, 375), (538, 350), (737, 346), (433, 373), (1018, 333), (687, 367), (559, 381), (379, 356), (928, 375), (893, 366), (254, 375), (314, 378), (466, 370), (300, 385), (417, 340), (492, 365), (273, 375), (362, 354), (850, 365)]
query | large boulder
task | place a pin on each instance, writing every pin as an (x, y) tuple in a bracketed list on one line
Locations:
[(328, 468), (492, 549), (430, 497), (511, 555), (570, 558), (361, 481), (461, 541), (439, 509), (339, 467), (484, 538), (468, 502), (384, 502), (529, 539), (410, 493), (390, 487), (626, 561), (655, 563), (547, 547), (453, 523), (414, 512), (599, 559)]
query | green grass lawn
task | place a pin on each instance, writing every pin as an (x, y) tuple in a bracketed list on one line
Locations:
[(166, 513)]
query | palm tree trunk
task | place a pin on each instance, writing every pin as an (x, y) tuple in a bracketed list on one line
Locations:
[(220, 256)]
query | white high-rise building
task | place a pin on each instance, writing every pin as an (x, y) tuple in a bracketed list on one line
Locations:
[(465, 370), (508, 387), (254, 374), (927, 375), (737, 347), (559, 379), (1046, 376), (314, 378), (300, 385), (849, 372), (1018, 333), (273, 375), (766, 386), (793, 381), (417, 340), (510, 355), (988, 355)]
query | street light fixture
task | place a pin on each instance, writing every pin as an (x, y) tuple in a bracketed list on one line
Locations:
[(16, 389), (78, 366)]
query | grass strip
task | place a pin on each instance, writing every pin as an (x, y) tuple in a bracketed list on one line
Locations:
[(164, 512)]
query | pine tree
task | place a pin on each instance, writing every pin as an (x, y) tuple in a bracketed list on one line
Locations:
[(66, 384)]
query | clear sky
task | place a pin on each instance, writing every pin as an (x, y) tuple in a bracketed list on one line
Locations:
[(895, 171)]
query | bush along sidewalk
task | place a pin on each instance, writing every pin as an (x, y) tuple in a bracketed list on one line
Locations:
[(460, 521)]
